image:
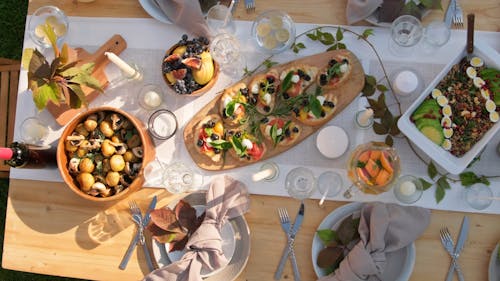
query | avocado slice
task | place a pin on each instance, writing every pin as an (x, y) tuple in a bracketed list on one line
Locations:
[(433, 131), (428, 109), (427, 122)]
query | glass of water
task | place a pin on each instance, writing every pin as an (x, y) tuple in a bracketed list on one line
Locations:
[(435, 35), (478, 196), (178, 178), (225, 49), (300, 183), (406, 32)]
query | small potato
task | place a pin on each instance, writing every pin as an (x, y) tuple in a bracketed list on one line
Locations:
[(90, 124), (81, 152), (116, 139), (117, 163), (106, 129), (107, 149), (69, 147), (112, 178), (129, 156), (86, 165), (86, 180)]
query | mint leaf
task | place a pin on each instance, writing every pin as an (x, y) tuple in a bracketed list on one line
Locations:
[(431, 170)]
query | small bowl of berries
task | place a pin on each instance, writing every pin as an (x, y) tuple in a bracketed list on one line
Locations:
[(188, 67)]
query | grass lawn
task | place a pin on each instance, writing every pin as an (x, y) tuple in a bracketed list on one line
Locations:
[(12, 20)]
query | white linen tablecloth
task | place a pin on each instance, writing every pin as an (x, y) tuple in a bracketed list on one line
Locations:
[(148, 40)]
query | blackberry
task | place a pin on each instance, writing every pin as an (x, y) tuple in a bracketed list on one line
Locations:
[(180, 87), (264, 120), (216, 150), (200, 143), (267, 108), (214, 137), (295, 129)]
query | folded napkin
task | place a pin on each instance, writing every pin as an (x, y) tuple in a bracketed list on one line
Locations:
[(226, 199), (357, 10), (186, 14), (383, 228)]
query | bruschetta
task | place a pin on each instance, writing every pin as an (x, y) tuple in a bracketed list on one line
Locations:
[(245, 146), (281, 132), (264, 87), (296, 79), (209, 137)]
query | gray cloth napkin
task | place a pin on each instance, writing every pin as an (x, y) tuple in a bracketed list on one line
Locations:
[(357, 10), (186, 14), (383, 228), (226, 199)]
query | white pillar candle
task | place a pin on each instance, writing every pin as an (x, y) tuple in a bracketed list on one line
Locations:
[(405, 82), (127, 69), (364, 119)]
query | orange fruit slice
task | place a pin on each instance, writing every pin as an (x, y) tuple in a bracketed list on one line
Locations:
[(386, 160), (364, 156), (383, 178), (363, 175), (372, 168), (375, 154)]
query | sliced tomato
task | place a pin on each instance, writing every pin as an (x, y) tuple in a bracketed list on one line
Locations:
[(334, 80), (278, 121), (295, 89), (256, 151)]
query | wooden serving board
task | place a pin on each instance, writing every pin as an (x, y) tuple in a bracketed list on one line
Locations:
[(345, 94), (63, 113)]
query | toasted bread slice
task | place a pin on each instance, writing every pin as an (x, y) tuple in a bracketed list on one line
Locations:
[(210, 129)]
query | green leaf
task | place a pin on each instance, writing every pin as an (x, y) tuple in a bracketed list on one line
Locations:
[(366, 33), (327, 236), (339, 35), (368, 90), (70, 72), (274, 134), (342, 46), (45, 93), (348, 230), (76, 96), (439, 194), (27, 55), (382, 88), (379, 128), (333, 47), (296, 47), (469, 178), (287, 83), (49, 32), (230, 107), (326, 38), (410, 8), (268, 63), (312, 36), (389, 141), (443, 182), (387, 120), (370, 80), (431, 170), (432, 4), (238, 147), (425, 184), (221, 144), (394, 130), (315, 106)]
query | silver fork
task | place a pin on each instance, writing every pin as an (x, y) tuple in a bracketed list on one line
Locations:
[(447, 242), (250, 5), (458, 18), (137, 218), (285, 224)]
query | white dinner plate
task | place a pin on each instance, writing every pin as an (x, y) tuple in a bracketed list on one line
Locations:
[(494, 267), (399, 265), (154, 11), (241, 234)]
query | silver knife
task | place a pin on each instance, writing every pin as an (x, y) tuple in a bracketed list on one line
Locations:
[(450, 12), (462, 237), (289, 249), (135, 240)]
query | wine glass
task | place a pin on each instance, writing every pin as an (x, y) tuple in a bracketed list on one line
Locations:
[(406, 32), (300, 183)]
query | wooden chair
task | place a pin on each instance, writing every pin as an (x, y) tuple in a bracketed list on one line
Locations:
[(9, 79)]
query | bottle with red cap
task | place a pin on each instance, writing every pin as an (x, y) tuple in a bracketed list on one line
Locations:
[(20, 155)]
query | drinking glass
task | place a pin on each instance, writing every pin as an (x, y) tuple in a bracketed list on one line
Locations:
[(300, 183), (33, 131), (408, 189), (406, 32), (52, 16), (162, 124), (329, 185), (435, 35), (178, 178), (478, 196), (150, 97), (220, 19), (225, 49)]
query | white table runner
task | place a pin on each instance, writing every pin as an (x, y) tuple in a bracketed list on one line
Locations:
[(147, 41)]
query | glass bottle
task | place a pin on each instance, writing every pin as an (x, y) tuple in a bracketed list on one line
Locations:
[(20, 155)]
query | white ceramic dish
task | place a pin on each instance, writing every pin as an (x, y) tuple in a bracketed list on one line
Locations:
[(399, 264), (241, 253), (494, 267), (443, 158), (154, 11)]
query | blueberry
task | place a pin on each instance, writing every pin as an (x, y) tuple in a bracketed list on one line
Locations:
[(270, 79), (286, 96), (264, 120), (295, 129), (216, 150), (267, 108), (214, 137)]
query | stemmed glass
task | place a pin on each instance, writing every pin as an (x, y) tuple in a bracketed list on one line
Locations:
[(406, 32)]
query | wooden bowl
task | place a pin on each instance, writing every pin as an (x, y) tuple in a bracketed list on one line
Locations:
[(62, 157), (200, 91)]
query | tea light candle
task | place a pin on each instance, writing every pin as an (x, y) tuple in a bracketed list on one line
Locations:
[(268, 171), (152, 99), (405, 82), (365, 118), (407, 188), (129, 71)]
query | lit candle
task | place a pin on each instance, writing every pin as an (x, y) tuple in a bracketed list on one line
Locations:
[(152, 99), (129, 71), (268, 172), (364, 119), (407, 188), (405, 82)]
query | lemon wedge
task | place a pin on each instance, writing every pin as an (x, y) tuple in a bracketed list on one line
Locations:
[(269, 42), (436, 93), (276, 22), (263, 29), (476, 62), (446, 144), (282, 35)]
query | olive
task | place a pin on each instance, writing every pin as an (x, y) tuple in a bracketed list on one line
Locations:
[(200, 143), (286, 96), (295, 129), (270, 79), (214, 137), (267, 108), (216, 150)]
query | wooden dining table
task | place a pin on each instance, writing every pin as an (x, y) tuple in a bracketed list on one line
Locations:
[(50, 230)]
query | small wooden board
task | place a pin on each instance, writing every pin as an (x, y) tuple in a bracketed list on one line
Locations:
[(63, 113), (345, 94)]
